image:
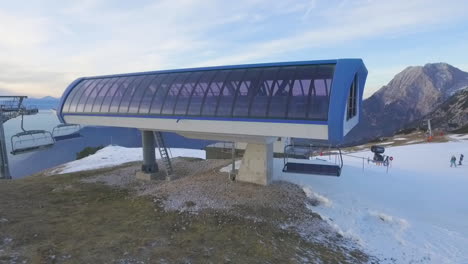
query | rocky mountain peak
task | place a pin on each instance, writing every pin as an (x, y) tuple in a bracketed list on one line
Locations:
[(410, 95)]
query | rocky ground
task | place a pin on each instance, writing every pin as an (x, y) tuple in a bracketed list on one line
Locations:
[(200, 216)]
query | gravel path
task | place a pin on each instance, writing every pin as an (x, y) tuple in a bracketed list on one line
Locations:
[(199, 185)]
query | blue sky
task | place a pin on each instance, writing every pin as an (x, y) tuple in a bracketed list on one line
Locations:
[(44, 45)]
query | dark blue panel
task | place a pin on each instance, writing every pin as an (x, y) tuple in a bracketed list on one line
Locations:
[(227, 95), (158, 97), (183, 98), (102, 95), (139, 93), (119, 93), (88, 104), (173, 92), (72, 94), (246, 92), (84, 95), (213, 93), (200, 92), (145, 103), (281, 90), (259, 105), (129, 93), (112, 89)]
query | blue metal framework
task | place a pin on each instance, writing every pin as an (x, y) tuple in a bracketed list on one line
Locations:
[(314, 92)]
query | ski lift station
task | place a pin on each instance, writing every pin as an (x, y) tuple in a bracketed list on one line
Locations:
[(256, 104)]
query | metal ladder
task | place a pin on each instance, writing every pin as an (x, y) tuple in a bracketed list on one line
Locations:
[(166, 160)]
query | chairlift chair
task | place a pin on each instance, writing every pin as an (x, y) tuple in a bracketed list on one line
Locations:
[(305, 152), (66, 131), (30, 140)]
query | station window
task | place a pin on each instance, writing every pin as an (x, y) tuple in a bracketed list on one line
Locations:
[(352, 100)]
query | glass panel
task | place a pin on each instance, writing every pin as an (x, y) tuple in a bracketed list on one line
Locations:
[(77, 96), (352, 100), (214, 92), (74, 91), (161, 92), (86, 93), (129, 93), (88, 105), (185, 93), (105, 106), (260, 101), (140, 91), (119, 93), (96, 105), (226, 99), (199, 92), (320, 91), (299, 98), (173, 92), (145, 103), (281, 90), (246, 91)]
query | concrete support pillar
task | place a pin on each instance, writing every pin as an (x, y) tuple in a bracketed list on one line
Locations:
[(257, 164), (149, 166)]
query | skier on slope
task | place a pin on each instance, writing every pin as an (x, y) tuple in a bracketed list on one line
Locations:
[(461, 159), (453, 161)]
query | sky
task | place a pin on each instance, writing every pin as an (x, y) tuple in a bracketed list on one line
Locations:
[(46, 44)]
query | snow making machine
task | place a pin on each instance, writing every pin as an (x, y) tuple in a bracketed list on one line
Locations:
[(379, 158)]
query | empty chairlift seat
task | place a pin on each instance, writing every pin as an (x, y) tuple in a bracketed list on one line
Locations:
[(31, 140), (312, 167), (66, 131)]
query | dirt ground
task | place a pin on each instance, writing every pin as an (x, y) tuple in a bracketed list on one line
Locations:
[(200, 216)]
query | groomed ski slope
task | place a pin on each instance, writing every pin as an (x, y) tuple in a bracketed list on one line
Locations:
[(417, 213)]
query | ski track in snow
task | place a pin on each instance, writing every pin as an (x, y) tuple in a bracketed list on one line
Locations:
[(417, 213)]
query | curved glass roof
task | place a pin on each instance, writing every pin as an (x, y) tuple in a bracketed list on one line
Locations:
[(274, 92)]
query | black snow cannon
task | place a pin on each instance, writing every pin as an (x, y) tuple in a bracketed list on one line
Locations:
[(378, 151)]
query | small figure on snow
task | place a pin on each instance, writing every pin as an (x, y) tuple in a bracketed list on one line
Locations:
[(453, 161), (461, 159)]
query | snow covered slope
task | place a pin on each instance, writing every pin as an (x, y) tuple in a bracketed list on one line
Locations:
[(417, 213), (115, 155)]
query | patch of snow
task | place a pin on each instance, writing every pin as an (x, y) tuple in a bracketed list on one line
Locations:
[(228, 168), (115, 155), (386, 143), (459, 136), (322, 200), (417, 213), (414, 141), (400, 138)]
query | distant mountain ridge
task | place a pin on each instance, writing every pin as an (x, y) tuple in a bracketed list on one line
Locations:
[(409, 96), (44, 103), (452, 115)]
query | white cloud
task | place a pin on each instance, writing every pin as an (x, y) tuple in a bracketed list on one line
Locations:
[(48, 48)]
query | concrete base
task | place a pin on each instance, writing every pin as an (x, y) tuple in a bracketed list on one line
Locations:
[(140, 175), (257, 164)]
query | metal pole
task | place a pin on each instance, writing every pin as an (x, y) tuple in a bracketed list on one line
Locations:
[(149, 157), (232, 175), (4, 169)]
